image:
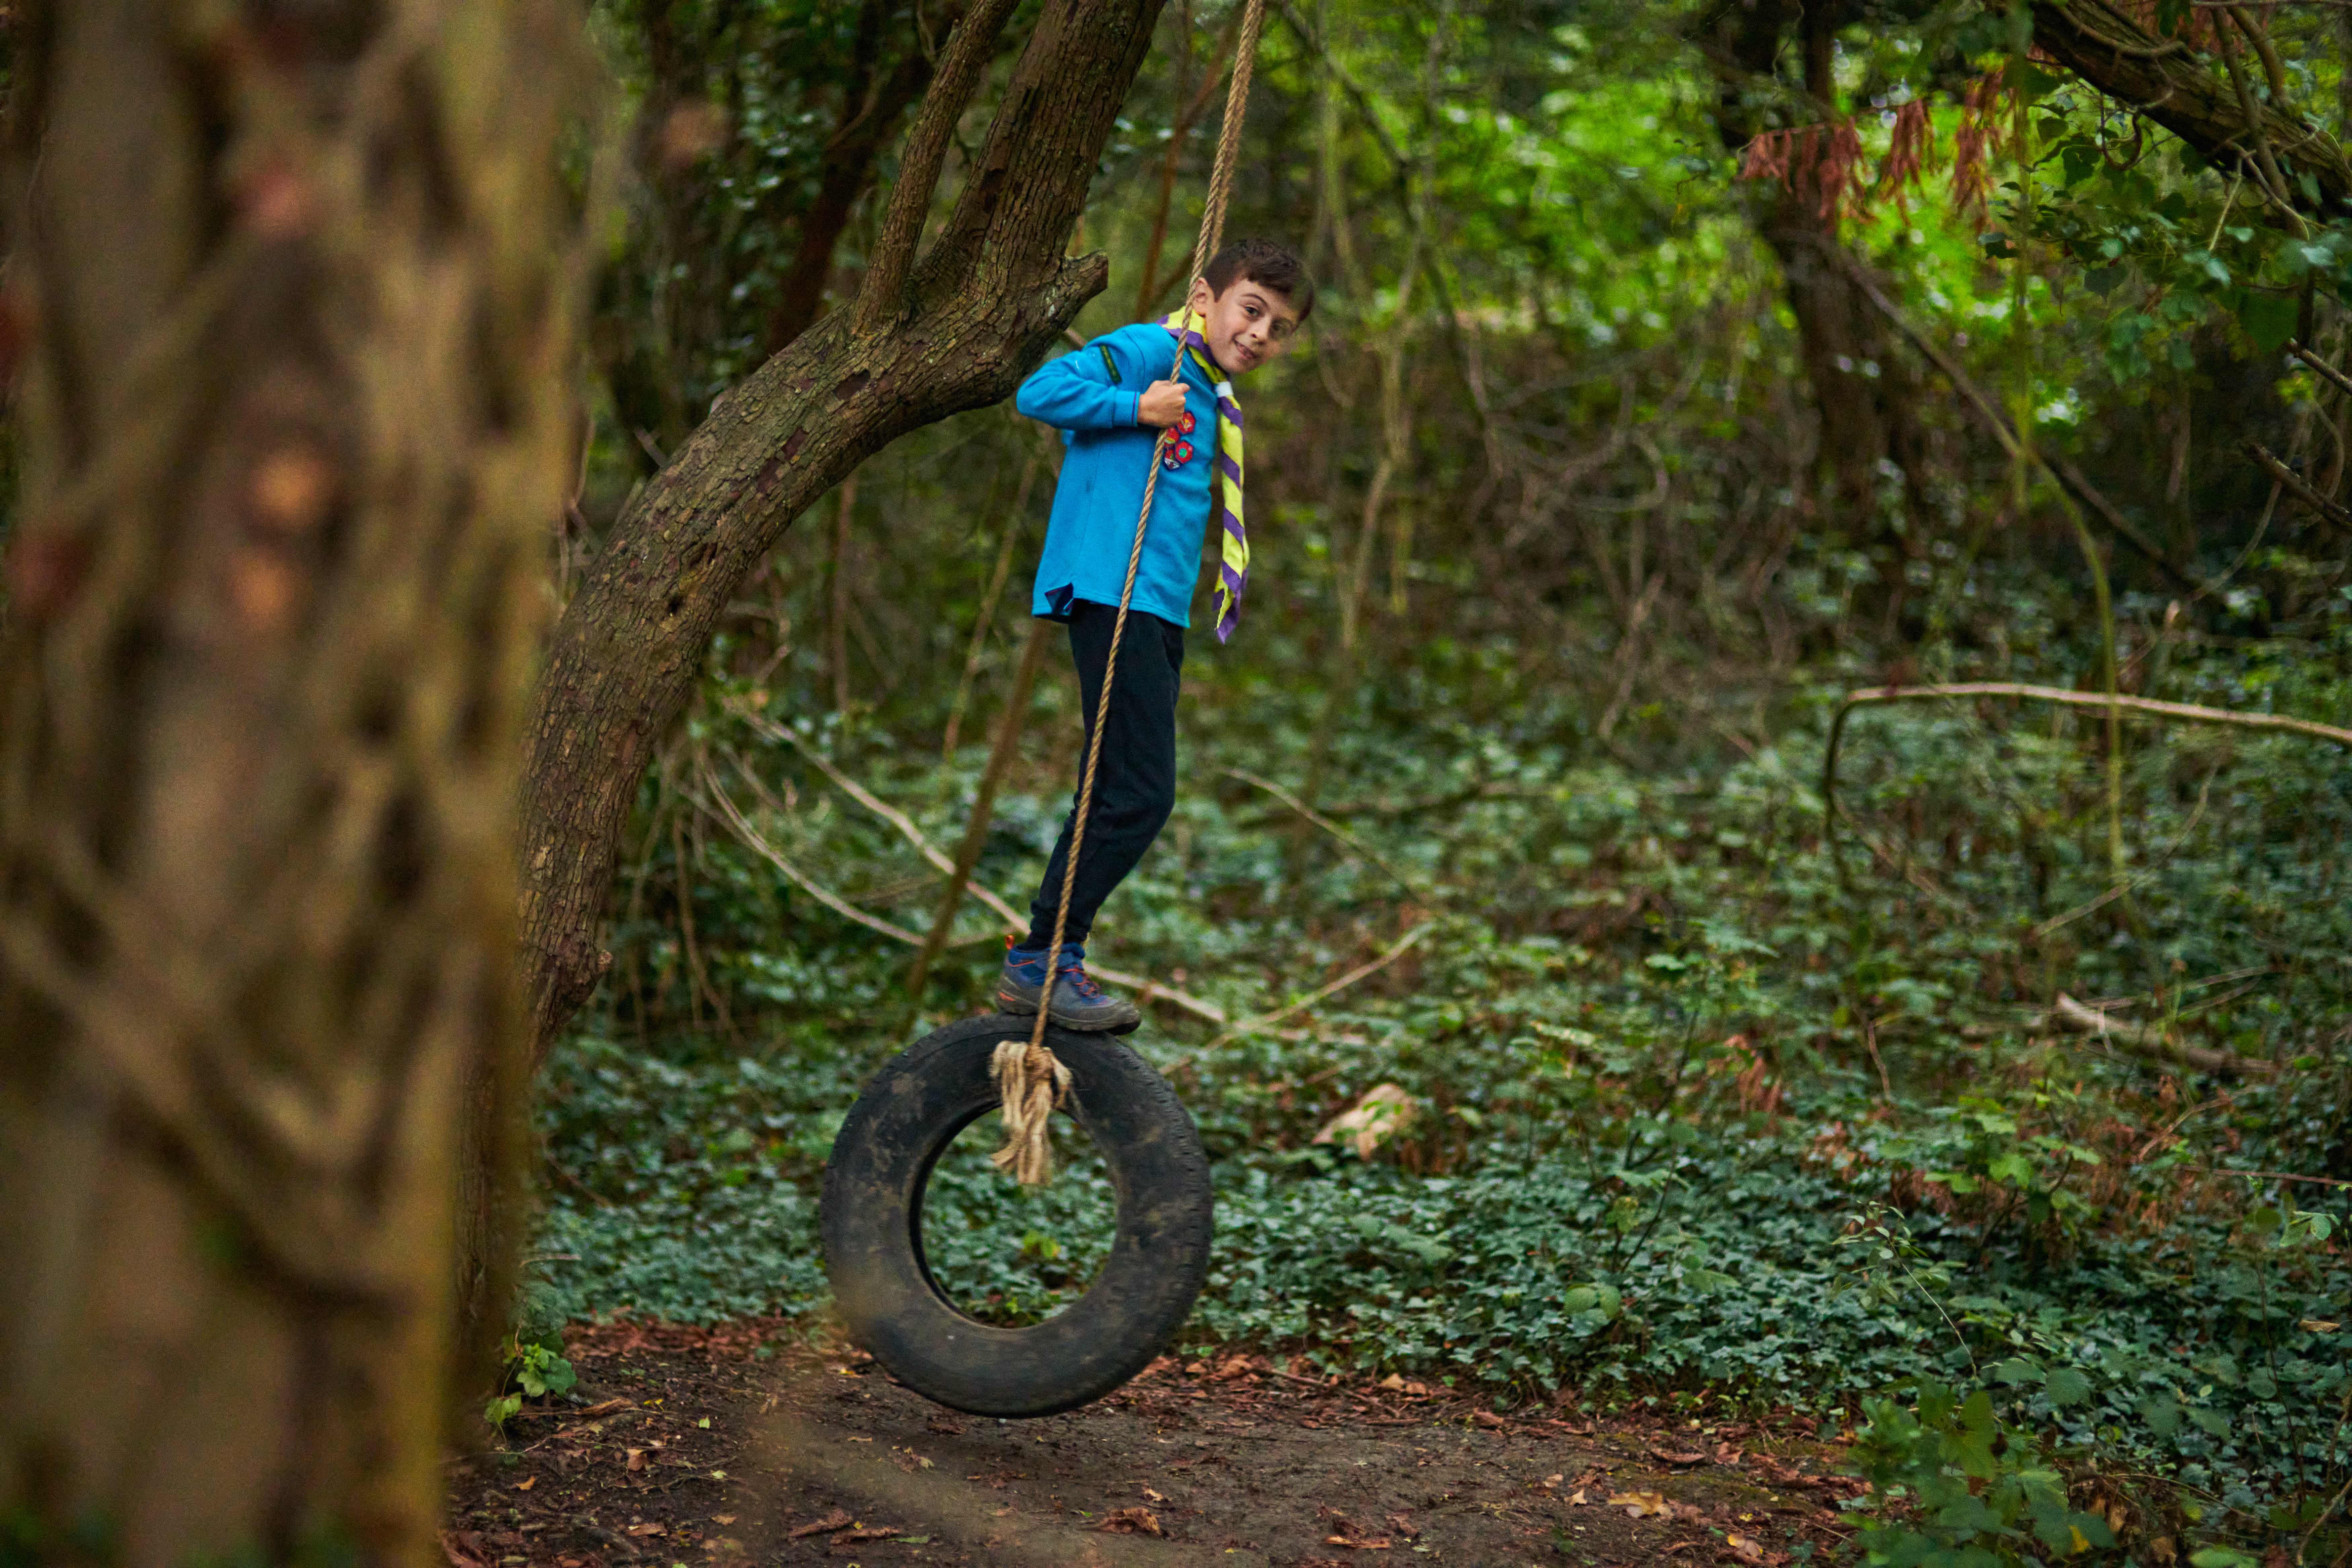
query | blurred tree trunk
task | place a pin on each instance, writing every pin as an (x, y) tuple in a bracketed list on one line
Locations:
[(1865, 392), (295, 424), (924, 340)]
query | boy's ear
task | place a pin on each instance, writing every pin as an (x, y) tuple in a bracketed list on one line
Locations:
[(1201, 297)]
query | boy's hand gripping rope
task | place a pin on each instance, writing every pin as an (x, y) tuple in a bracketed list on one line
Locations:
[(1029, 1077)]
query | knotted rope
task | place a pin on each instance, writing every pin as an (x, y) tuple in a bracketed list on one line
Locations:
[(1031, 1079)]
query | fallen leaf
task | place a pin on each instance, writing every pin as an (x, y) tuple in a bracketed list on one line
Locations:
[(1725, 1454), (837, 1519), (1150, 1496), (1359, 1544), (1384, 1111), (648, 1528), (866, 1532), (1577, 1498), (1404, 1527), (1394, 1382), (722, 1519), (525, 1484), (1638, 1504), (1487, 1419), (869, 1439), (463, 1548), (2318, 1326), (607, 1408), (1746, 1548), (636, 1459), (1674, 1458), (1130, 1522)]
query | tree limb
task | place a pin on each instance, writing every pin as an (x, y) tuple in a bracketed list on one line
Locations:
[(918, 168), (2068, 1013), (2327, 511), (2178, 90)]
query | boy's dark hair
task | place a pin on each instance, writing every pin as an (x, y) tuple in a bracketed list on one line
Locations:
[(1262, 261)]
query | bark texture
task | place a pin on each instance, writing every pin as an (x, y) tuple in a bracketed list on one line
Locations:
[(295, 423), (978, 312)]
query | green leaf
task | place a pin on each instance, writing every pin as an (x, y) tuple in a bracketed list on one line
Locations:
[(2067, 1386), (2223, 1557), (2268, 318)]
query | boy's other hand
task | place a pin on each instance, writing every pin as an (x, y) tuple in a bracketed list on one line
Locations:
[(1161, 404)]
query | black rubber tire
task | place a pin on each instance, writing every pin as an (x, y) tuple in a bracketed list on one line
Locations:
[(872, 1216)]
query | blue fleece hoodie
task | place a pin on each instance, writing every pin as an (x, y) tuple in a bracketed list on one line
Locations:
[(1091, 396)]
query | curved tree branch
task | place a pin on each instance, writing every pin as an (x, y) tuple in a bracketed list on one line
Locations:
[(2178, 88)]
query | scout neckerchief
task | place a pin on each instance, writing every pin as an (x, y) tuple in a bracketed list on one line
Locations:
[(1232, 566)]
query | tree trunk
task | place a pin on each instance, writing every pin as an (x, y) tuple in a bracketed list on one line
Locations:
[(992, 292), (1865, 393), (295, 426)]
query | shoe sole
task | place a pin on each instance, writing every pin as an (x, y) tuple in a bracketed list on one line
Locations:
[(1021, 1008)]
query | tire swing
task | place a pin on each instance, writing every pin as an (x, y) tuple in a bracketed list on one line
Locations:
[(911, 1112)]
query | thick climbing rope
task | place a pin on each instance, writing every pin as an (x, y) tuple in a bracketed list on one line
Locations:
[(1029, 1077)]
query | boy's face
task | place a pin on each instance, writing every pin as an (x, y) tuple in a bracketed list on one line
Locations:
[(1246, 326)]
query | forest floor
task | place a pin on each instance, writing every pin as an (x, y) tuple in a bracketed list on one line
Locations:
[(722, 1449)]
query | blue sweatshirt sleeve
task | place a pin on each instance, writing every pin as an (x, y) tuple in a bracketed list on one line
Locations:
[(1075, 392)]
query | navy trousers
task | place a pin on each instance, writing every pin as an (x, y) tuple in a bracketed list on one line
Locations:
[(1135, 781)]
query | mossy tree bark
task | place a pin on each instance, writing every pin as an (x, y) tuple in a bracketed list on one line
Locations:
[(295, 423), (925, 339)]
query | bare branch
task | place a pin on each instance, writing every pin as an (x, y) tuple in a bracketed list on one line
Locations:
[(2327, 511)]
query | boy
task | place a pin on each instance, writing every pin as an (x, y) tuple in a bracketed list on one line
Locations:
[(1111, 399)]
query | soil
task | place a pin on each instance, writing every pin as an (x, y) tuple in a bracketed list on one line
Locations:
[(733, 1446)]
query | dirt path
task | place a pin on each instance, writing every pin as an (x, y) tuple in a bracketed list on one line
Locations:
[(692, 1446)]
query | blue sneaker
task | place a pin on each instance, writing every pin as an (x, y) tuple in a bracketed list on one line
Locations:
[(1078, 1002)]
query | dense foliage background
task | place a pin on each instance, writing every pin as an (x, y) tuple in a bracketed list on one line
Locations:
[(1605, 472)]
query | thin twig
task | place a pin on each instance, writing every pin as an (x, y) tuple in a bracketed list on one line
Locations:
[(2326, 372), (1396, 950), (1148, 989), (1354, 845), (2327, 511), (2185, 711), (731, 816)]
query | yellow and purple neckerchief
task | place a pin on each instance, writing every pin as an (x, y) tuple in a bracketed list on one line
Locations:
[(1232, 565)]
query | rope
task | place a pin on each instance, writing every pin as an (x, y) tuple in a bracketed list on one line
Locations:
[(1031, 1079)]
